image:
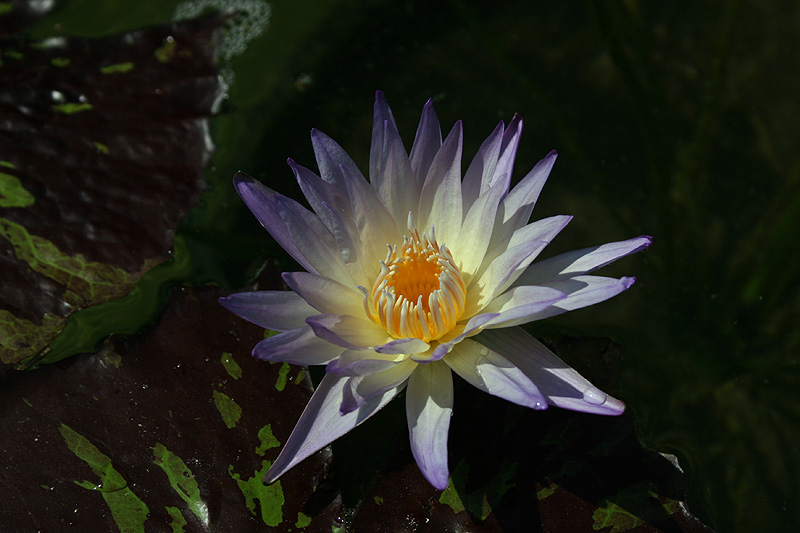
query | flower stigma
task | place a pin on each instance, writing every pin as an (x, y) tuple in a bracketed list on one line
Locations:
[(419, 292)]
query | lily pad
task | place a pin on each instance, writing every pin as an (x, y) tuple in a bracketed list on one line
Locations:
[(130, 438), (103, 147)]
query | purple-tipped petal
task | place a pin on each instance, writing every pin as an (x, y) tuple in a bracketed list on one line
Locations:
[(362, 363), (369, 216), (322, 422), (508, 150), (518, 205), (480, 175), (298, 347), (403, 346), (502, 272), (490, 372), (542, 231), (518, 305), (426, 143), (324, 294), (319, 192), (579, 262), (561, 384), (330, 158), (429, 405), (581, 291), (389, 168), (475, 234), (261, 202), (348, 331), (361, 389), (440, 199), (313, 240), (277, 310)]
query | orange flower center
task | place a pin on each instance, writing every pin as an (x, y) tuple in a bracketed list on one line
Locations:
[(420, 292)]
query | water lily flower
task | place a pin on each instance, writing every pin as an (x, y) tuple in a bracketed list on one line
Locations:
[(416, 274)]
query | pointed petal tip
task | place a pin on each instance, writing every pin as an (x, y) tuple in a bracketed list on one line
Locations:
[(270, 477), (379, 96), (240, 177), (440, 484)]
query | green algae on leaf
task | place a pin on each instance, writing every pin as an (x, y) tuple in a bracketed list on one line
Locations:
[(269, 497), (230, 410), (231, 366), (302, 521), (633, 507), (128, 511), (268, 440), (12, 193), (71, 108), (182, 480), (178, 521), (280, 383), (19, 336), (86, 282), (117, 68)]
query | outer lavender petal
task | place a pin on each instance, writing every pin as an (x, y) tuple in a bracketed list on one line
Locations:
[(322, 422), (277, 310), (508, 151), (389, 168), (361, 389), (440, 199), (324, 294), (298, 346), (490, 372), (429, 405), (480, 175), (561, 384), (426, 143), (579, 262)]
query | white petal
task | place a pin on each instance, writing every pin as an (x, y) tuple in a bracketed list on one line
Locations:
[(542, 231), (297, 346), (489, 371), (324, 294), (519, 305), (481, 171), (348, 331), (429, 406), (519, 203), (322, 422), (508, 151), (426, 143), (362, 362), (440, 199), (500, 274), (389, 168), (560, 383), (362, 389), (312, 239), (473, 240), (277, 310), (581, 291), (581, 262)]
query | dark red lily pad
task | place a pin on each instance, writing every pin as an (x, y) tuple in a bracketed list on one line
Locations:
[(175, 425), (103, 145)]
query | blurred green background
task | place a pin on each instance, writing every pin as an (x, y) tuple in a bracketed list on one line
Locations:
[(675, 119)]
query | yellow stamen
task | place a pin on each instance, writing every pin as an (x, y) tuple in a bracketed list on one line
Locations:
[(419, 292)]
